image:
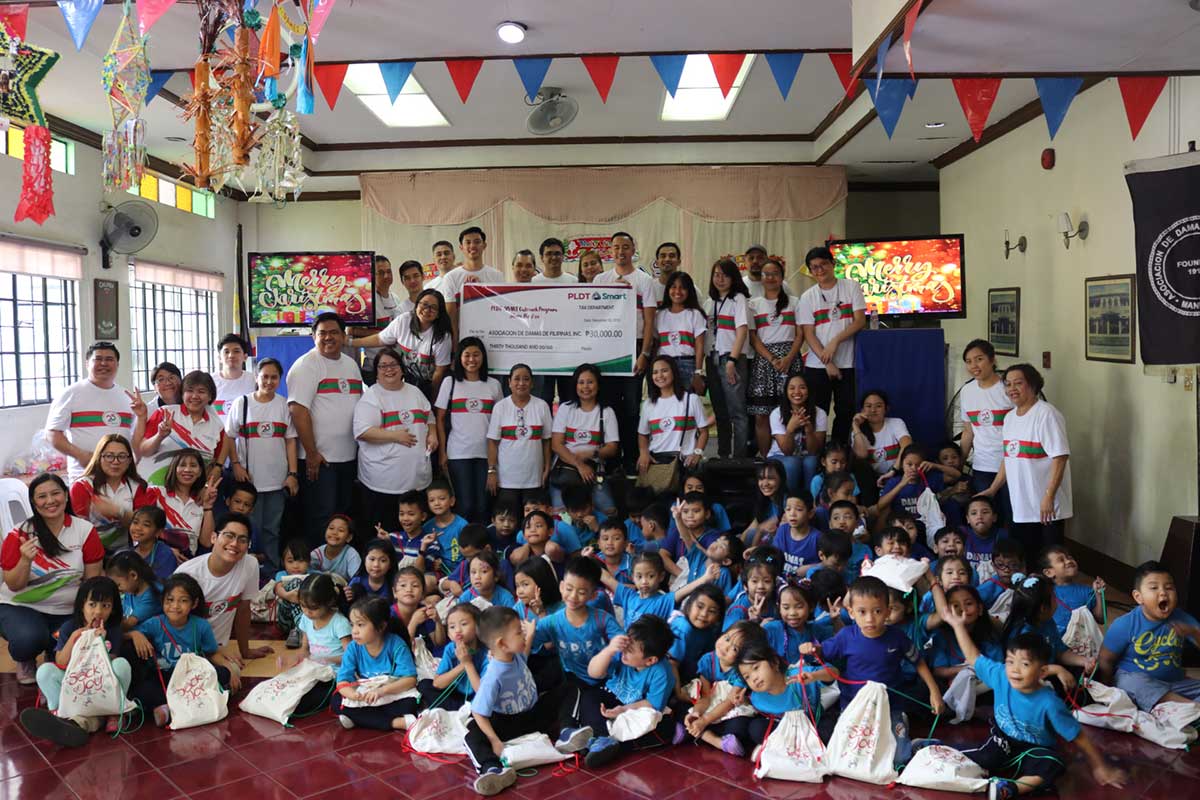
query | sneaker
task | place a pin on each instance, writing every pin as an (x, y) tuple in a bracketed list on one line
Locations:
[(345, 721), (731, 745), (495, 780), (680, 734), (26, 673), (1000, 789), (293, 639), (603, 750), (573, 740), (43, 724), (162, 716)]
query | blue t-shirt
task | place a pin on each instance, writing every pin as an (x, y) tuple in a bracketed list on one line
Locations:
[(709, 668), (564, 536), (653, 683), (739, 609), (500, 543), (790, 699), (786, 640), (162, 560), (1032, 718), (796, 552), (868, 659), (943, 649), (196, 636), (906, 498), (462, 574), (1148, 646), (325, 644), (660, 604), (817, 485), (142, 606), (406, 546), (450, 660), (673, 544), (1048, 631), (526, 614), (112, 637), (577, 645), (500, 596), (624, 571), (445, 547), (583, 533), (1068, 598), (505, 688), (978, 549), (394, 659), (633, 532), (361, 586), (990, 591), (690, 643)]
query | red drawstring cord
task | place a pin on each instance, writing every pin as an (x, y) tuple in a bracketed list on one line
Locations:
[(565, 768), (406, 746)]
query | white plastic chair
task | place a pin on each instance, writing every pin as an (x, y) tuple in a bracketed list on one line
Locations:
[(14, 504)]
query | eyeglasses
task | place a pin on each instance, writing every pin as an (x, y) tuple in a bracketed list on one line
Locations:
[(428, 306), (242, 540), (390, 366), (115, 458), (165, 379)]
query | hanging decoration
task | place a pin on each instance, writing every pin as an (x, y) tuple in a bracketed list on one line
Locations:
[(125, 75), (910, 22), (317, 16), (1056, 95), (602, 70), (236, 79), (726, 67), (464, 71), (1139, 94), (976, 96), (149, 11), (79, 16), (276, 166), (395, 75), (158, 79), (268, 45), (670, 70), (784, 67), (200, 105), (880, 58), (22, 68), (889, 96), (14, 19), (842, 64), (330, 77), (37, 182), (532, 72)]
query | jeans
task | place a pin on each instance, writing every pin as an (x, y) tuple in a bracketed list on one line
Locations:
[(827, 393), (624, 396), (469, 477), (50, 680), (331, 493), (729, 406), (602, 498), (28, 632), (266, 518), (377, 509), (800, 470)]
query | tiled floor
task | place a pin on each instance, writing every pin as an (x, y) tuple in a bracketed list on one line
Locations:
[(250, 758)]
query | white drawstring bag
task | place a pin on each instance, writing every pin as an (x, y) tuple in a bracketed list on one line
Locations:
[(1083, 635), (278, 697), (530, 750), (90, 687), (793, 751), (634, 723), (930, 512), (898, 573), (438, 730), (720, 693), (962, 694), (264, 606), (680, 580), (1110, 708), (1169, 724), (194, 695), (367, 684), (447, 604), (427, 665), (1002, 607), (863, 746), (830, 695), (944, 768)]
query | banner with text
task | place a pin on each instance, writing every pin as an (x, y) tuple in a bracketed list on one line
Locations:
[(552, 328)]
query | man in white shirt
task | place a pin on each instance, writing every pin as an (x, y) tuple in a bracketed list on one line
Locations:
[(551, 252), (387, 308), (473, 242), (89, 409), (667, 258), (524, 269), (412, 276), (756, 256), (443, 260), (624, 395), (324, 385)]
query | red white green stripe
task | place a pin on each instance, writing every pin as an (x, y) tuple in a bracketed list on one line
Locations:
[(680, 424), (725, 323), (685, 338), (333, 386), (425, 358), (889, 452), (459, 406), (570, 433), (1024, 449), (786, 318), (418, 416), (998, 415), (95, 419), (823, 315), (253, 430), (509, 432)]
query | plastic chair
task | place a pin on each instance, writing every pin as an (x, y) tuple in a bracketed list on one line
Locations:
[(14, 504)]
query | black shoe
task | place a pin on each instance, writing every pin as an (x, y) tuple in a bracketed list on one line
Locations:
[(45, 725)]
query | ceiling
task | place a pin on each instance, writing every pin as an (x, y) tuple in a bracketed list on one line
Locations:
[(952, 37)]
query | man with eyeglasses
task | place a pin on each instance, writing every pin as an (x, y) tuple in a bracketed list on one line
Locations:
[(97, 405), (324, 385), (229, 581)]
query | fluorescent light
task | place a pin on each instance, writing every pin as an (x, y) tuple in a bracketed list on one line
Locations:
[(413, 107), (699, 96), (511, 32), (934, 125)]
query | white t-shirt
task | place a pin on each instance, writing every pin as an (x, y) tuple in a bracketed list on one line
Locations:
[(206, 435), (778, 428), (671, 423), (185, 516), (755, 287), (564, 277), (260, 432), (773, 327), (329, 389), (421, 354), (64, 571), (830, 311), (887, 443), (405, 306), (520, 432), (581, 429), (86, 413), (984, 410), (452, 283), (725, 316), (660, 291), (1030, 443), (678, 330), (389, 467), (387, 308), (222, 595), (643, 288), (468, 414), (230, 389), (436, 283)]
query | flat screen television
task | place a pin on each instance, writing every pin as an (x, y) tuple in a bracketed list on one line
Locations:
[(291, 289), (906, 276)]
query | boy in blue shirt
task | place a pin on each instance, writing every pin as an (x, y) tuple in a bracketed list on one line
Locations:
[(843, 517), (981, 534), (1057, 564), (445, 551), (1027, 716), (585, 520), (904, 489), (1145, 646), (638, 676), (506, 518), (1007, 559), (796, 538)]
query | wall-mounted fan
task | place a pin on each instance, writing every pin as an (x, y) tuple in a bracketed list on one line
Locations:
[(128, 228), (553, 112)]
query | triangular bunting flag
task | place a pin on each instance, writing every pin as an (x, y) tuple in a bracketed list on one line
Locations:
[(316, 22), (670, 70), (191, 73), (726, 66), (79, 16), (880, 57), (889, 96), (976, 96), (602, 69), (910, 22), (842, 62), (1056, 95), (395, 75), (149, 11), (783, 67), (464, 71), (268, 45), (158, 79), (532, 72), (329, 78), (1139, 95), (15, 20)]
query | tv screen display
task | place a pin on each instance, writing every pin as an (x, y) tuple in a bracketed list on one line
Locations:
[(906, 276), (291, 289)]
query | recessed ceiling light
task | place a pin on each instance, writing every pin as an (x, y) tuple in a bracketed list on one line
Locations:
[(935, 124), (511, 32), (176, 139)]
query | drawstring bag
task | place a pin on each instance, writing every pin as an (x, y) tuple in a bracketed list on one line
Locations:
[(830, 695), (1110, 708), (367, 684), (530, 750), (793, 751), (1083, 635), (898, 573), (90, 687), (1169, 724), (680, 580), (944, 768), (1002, 607), (427, 665), (634, 723), (863, 746), (720, 693), (264, 605), (278, 697), (447, 604), (964, 691), (439, 731), (930, 512), (194, 695)]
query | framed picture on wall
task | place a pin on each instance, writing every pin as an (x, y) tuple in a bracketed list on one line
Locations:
[(1111, 319), (1004, 320)]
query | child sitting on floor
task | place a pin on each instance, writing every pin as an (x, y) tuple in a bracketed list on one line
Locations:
[(378, 665), (462, 662), (1057, 564)]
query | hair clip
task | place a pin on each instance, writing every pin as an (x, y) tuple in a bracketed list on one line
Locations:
[(1029, 582), (1017, 577)]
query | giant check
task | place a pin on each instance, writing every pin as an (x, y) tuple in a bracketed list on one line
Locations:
[(552, 327)]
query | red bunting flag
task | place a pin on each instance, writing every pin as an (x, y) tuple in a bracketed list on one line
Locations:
[(1140, 94), (191, 73), (976, 96), (15, 19), (329, 78), (464, 71), (726, 67), (842, 62), (602, 69), (910, 22)]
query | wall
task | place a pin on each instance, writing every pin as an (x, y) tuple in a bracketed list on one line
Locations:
[(1133, 437), (898, 213), (333, 225)]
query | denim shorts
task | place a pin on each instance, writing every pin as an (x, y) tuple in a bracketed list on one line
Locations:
[(1146, 691)]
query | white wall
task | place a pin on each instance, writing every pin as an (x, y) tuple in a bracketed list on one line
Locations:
[(1133, 438), (321, 225)]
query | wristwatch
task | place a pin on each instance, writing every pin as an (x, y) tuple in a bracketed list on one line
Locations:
[(293, 475), (697, 452)]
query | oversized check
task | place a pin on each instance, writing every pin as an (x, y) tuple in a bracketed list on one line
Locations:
[(552, 327)]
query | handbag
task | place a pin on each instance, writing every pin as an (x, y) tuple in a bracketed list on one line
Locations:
[(90, 687), (663, 478), (863, 746), (278, 697), (194, 695), (944, 768), (793, 751)]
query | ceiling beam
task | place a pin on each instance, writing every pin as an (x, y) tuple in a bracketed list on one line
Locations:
[(418, 144)]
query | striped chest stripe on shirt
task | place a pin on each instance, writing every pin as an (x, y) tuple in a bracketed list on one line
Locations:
[(101, 419), (887, 453), (988, 416), (219, 406), (581, 436), (841, 311), (510, 432), (1019, 448), (669, 424), (666, 338), (477, 405), (786, 318), (263, 430), (725, 322), (425, 358), (340, 386), (416, 416)]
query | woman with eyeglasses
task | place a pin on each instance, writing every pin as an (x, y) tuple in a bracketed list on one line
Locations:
[(168, 384), (424, 339), (110, 490), (518, 448)]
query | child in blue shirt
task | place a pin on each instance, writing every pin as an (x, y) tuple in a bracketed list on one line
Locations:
[(585, 521), (793, 627), (718, 517), (945, 657), (506, 518), (410, 542), (844, 518), (474, 539), (562, 534), (446, 525), (950, 542), (337, 555), (1145, 646), (1057, 564), (1032, 611), (704, 719), (646, 596), (577, 631), (903, 489), (835, 460), (462, 663), (760, 578), (796, 538), (1007, 559), (696, 630), (140, 597), (378, 664), (484, 570), (377, 574), (612, 552), (324, 636), (981, 535), (773, 691), (287, 589), (145, 527)]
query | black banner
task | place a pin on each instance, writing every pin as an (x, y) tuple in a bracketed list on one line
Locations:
[(1166, 218)]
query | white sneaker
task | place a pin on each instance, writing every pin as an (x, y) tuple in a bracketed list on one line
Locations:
[(495, 781), (345, 721), (27, 672)]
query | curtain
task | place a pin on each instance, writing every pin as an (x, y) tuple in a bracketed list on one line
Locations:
[(149, 272), (30, 259), (401, 243)]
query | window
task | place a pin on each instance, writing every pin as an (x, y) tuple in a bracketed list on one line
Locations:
[(413, 107), (39, 320), (157, 189), (173, 317), (62, 151), (699, 97)]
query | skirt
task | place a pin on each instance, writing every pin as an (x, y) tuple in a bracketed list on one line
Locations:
[(766, 384)]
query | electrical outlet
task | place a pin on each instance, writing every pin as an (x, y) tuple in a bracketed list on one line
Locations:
[(1171, 375), (1045, 359)]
